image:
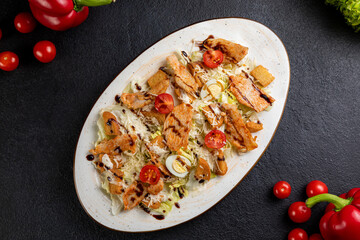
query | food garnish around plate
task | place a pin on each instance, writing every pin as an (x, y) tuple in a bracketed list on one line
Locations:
[(171, 134)]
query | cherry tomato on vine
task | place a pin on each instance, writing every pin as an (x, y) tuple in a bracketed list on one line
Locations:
[(282, 190), (164, 103), (9, 61), (215, 139), (150, 174), (299, 212), (297, 234), (24, 22), (44, 51), (316, 236), (213, 58), (316, 187)]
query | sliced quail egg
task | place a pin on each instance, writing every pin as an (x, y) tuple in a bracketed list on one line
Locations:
[(178, 165), (212, 89)]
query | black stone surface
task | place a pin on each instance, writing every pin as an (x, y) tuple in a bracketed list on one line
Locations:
[(43, 108)]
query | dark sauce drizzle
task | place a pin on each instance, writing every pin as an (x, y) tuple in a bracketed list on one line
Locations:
[(117, 99), (90, 157), (147, 210), (177, 205)]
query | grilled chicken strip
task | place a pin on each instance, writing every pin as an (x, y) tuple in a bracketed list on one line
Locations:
[(198, 70), (183, 77), (248, 94), (154, 114), (111, 125), (213, 115), (158, 82), (136, 100), (235, 129), (133, 195), (233, 52), (177, 127), (115, 146)]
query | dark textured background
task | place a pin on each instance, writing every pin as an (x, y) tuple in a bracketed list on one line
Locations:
[(43, 108)]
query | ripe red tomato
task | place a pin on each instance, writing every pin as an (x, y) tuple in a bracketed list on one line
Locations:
[(44, 51), (9, 61), (282, 190), (164, 103), (299, 212), (213, 58), (316, 236), (316, 187), (150, 174), (24, 22), (215, 139), (297, 234)]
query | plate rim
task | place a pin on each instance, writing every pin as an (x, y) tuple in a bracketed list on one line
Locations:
[(232, 189)]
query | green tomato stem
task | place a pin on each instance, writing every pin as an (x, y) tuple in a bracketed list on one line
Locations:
[(91, 3), (339, 202)]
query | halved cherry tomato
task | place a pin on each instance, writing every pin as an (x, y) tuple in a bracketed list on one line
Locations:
[(213, 58), (9, 61), (44, 51), (24, 22), (164, 103), (297, 234), (215, 139), (316, 187), (316, 236), (282, 189), (299, 212), (150, 174)]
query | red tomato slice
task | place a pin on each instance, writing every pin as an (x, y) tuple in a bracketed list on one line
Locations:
[(150, 174), (215, 139), (213, 58), (164, 103)]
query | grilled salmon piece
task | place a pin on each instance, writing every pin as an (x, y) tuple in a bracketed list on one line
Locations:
[(213, 115), (136, 100), (182, 76), (158, 82), (133, 195), (115, 146), (235, 129), (198, 70), (155, 114), (177, 126), (248, 94), (111, 125), (233, 52)]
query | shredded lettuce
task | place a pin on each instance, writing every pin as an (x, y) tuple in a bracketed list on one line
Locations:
[(157, 133)]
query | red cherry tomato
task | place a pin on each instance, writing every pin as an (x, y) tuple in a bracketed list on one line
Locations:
[(316, 236), (24, 22), (299, 212), (213, 58), (297, 234), (164, 103), (282, 190), (9, 61), (150, 174), (215, 139), (316, 187), (44, 51)]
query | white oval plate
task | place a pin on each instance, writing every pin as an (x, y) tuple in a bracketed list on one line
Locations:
[(264, 46)]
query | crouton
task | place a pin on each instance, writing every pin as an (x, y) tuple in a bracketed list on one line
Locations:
[(262, 75), (158, 82)]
